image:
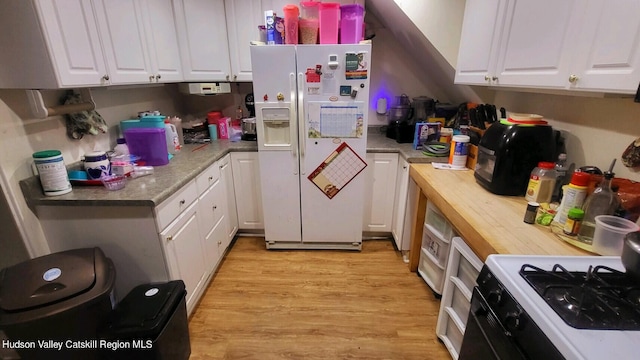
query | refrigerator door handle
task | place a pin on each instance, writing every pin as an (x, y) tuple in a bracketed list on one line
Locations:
[(301, 139), (293, 130)]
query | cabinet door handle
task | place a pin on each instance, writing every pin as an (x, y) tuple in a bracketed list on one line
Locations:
[(487, 78), (404, 167), (215, 207), (573, 78), (105, 78), (182, 202), (210, 178), (235, 76), (158, 77), (151, 77), (227, 77), (494, 78), (170, 237), (219, 242)]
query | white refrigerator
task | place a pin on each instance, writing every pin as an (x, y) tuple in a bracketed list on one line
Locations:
[(311, 116)]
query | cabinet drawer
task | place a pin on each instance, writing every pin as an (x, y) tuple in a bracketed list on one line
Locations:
[(174, 205), (435, 245), (208, 177), (438, 222), (431, 272), (467, 273), (460, 304)]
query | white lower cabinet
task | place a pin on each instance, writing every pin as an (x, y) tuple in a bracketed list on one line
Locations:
[(231, 211), (460, 277), (184, 253), (380, 191), (246, 182), (403, 243)]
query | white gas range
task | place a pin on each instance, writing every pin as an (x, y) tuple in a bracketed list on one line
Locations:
[(506, 318)]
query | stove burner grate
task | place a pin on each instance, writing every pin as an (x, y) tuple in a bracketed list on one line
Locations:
[(601, 298)]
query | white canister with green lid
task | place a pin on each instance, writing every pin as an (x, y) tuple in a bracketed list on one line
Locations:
[(52, 172)]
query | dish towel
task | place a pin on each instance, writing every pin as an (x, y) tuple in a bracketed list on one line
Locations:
[(84, 122)]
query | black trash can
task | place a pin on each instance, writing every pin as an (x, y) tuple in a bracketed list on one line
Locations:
[(150, 323), (53, 306)]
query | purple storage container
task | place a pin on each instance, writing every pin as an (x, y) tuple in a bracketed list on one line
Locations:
[(148, 143)]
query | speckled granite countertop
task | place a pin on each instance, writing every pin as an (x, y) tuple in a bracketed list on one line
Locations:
[(151, 190)]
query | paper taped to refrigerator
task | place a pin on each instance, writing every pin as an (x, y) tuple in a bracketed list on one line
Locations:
[(337, 170), (335, 120)]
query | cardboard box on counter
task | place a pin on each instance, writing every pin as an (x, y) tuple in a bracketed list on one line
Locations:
[(472, 156)]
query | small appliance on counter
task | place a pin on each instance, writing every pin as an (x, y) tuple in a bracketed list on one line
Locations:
[(400, 127), (249, 123), (509, 150)]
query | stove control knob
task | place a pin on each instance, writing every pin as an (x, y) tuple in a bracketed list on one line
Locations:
[(495, 297), (513, 321)]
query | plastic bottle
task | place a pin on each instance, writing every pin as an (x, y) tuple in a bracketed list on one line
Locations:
[(562, 169), (574, 195), (291, 15), (574, 220), (603, 201), (541, 183), (121, 148), (177, 122), (173, 141)]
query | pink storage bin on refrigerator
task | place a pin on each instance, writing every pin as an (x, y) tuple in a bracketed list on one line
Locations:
[(291, 14), (148, 143), (351, 20), (329, 22)]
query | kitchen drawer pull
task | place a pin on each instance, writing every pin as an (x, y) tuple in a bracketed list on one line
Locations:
[(215, 207), (151, 77), (158, 77), (487, 78), (182, 202), (494, 78), (170, 237), (573, 78), (105, 78), (210, 178)]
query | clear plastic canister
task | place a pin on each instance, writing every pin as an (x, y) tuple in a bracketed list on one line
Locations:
[(459, 150), (351, 19), (291, 14), (329, 22), (541, 183)]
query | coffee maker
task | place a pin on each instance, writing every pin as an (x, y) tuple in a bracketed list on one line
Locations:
[(249, 123)]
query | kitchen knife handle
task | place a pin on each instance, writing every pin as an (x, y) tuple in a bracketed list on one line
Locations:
[(301, 125), (293, 130)]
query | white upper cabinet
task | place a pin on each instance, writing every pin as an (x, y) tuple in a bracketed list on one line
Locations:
[(139, 40), (202, 35), (591, 45), (610, 42), (535, 49), (479, 42), (243, 18), (49, 44)]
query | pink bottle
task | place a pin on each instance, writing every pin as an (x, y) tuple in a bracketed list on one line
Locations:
[(291, 14), (351, 20), (329, 22)]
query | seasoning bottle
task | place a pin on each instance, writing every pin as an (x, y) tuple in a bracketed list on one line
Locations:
[(541, 183), (573, 196), (562, 169), (530, 214), (603, 201), (574, 219)]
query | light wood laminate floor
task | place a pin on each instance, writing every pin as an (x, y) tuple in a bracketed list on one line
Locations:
[(276, 304)]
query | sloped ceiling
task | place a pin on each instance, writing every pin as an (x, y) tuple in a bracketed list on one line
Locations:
[(391, 15)]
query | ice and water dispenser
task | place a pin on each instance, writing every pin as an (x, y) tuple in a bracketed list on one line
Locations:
[(275, 127)]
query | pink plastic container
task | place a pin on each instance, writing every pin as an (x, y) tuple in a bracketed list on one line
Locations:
[(309, 9), (329, 22), (308, 23), (351, 20), (291, 14), (148, 143)]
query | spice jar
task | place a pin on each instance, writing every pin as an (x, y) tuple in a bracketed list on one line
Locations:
[(530, 214), (541, 183), (574, 218)]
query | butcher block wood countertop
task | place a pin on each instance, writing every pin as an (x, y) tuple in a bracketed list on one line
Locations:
[(489, 224)]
